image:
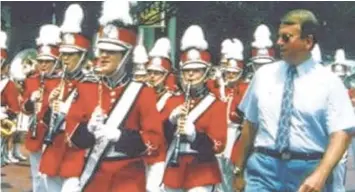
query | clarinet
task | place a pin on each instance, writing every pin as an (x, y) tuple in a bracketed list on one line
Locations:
[(174, 162), (53, 128), (33, 128)]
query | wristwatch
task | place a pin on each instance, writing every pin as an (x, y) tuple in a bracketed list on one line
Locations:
[(237, 171)]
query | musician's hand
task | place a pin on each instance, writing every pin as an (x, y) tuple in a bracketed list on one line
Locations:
[(97, 119), (108, 133), (239, 183), (35, 96), (72, 184), (176, 114), (190, 131), (56, 105), (54, 94), (314, 182)]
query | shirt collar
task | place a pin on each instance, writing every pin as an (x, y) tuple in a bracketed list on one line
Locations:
[(305, 67)]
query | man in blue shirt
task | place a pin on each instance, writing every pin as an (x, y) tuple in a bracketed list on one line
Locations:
[(296, 115)]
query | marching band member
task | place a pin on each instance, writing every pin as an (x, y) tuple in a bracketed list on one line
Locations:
[(235, 88), (262, 50), (216, 84), (341, 66), (116, 120), (73, 50), (140, 59), (195, 123), (160, 77), (36, 93), (9, 104), (22, 67)]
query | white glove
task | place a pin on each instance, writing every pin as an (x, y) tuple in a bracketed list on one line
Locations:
[(175, 114), (72, 184), (3, 110), (97, 119), (35, 96), (190, 131), (60, 106), (111, 134)]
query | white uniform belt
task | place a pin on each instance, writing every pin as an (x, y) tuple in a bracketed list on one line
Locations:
[(186, 148), (233, 125)]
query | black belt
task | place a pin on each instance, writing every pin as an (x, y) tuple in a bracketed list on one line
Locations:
[(287, 155)]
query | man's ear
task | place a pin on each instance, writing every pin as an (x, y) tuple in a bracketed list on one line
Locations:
[(310, 42)]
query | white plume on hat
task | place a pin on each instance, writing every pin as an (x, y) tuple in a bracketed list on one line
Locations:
[(341, 59), (161, 48), (225, 45), (262, 37), (3, 39), (235, 50), (193, 38), (73, 18), (140, 54), (316, 53), (116, 10), (49, 35), (340, 56)]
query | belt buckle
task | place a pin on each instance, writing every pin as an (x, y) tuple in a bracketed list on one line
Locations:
[(286, 155)]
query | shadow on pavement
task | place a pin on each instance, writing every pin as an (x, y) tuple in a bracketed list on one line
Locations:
[(6, 186)]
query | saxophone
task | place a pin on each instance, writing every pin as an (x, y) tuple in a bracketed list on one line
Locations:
[(7, 127), (54, 126), (174, 162), (38, 106)]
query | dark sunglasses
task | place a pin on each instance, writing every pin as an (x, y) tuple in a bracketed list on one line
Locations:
[(286, 37)]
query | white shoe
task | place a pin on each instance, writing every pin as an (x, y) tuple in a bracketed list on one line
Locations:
[(17, 153), (12, 159), (6, 159), (20, 157)]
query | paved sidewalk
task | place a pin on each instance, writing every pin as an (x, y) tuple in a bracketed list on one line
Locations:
[(17, 178)]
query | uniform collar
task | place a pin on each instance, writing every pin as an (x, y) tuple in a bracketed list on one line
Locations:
[(113, 81), (160, 89), (199, 92)]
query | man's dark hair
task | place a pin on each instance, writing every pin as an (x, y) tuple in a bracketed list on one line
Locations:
[(307, 21)]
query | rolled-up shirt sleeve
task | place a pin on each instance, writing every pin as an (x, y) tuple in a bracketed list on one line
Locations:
[(339, 110), (248, 105)]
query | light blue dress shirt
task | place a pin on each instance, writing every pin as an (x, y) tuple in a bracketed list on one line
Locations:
[(321, 102)]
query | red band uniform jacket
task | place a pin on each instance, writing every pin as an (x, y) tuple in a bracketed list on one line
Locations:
[(58, 155), (202, 168), (10, 99), (141, 134), (32, 84)]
